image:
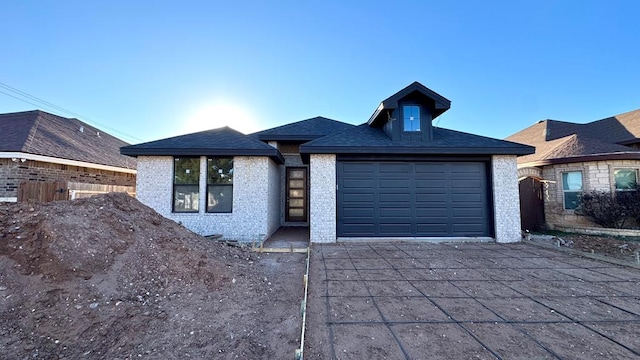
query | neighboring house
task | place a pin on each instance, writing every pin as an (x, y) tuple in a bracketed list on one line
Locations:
[(45, 157), (395, 176), (573, 158)]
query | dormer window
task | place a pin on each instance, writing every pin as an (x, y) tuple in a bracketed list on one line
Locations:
[(411, 117)]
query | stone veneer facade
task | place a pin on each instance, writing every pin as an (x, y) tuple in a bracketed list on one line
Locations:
[(506, 198), (13, 173), (322, 199), (596, 175), (256, 197)]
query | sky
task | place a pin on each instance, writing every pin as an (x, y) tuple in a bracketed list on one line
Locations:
[(147, 70)]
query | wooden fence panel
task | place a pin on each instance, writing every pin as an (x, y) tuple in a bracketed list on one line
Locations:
[(42, 191)]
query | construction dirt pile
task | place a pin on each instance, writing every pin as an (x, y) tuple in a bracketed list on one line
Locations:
[(108, 278)]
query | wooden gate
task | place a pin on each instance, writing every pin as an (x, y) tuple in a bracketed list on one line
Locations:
[(42, 191), (531, 204)]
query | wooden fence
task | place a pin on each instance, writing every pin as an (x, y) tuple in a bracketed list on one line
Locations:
[(59, 190)]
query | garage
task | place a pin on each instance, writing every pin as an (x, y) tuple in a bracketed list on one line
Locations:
[(413, 199)]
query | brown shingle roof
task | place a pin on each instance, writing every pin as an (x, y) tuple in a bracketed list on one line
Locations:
[(555, 139), (41, 133)]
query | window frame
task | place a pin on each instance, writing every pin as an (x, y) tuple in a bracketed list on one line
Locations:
[(615, 183), (177, 185), (211, 184), (564, 192), (405, 118)]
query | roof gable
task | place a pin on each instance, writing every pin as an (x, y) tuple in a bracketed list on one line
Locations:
[(41, 133), (223, 141), (303, 130), (415, 89)]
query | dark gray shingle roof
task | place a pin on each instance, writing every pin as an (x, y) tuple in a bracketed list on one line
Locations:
[(41, 133), (303, 130), (216, 142), (366, 139)]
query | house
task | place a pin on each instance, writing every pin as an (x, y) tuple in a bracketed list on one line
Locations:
[(395, 176), (46, 157), (571, 158)]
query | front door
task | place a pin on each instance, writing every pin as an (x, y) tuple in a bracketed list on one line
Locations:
[(296, 204)]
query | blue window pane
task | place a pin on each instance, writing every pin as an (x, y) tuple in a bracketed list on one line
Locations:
[(411, 117)]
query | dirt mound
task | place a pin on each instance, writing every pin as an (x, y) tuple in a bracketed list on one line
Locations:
[(107, 277)]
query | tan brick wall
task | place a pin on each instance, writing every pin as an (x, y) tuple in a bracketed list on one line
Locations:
[(596, 175), (13, 173)]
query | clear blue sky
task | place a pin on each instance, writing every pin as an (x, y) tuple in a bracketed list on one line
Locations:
[(154, 69)]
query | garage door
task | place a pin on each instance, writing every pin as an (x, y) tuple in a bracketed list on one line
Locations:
[(426, 199)]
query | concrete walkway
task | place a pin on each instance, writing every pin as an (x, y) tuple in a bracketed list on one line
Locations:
[(468, 301)]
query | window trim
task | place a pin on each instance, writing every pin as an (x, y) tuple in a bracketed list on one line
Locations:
[(404, 128), (564, 203), (615, 184), (175, 186), (208, 185)]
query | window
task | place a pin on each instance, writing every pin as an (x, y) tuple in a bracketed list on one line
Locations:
[(625, 179), (571, 188), (186, 184), (411, 117), (219, 185)]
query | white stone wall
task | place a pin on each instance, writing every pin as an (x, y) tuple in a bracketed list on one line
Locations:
[(506, 198), (254, 197), (274, 198), (322, 168)]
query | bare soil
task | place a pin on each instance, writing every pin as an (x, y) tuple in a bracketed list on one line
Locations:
[(618, 248), (107, 277)]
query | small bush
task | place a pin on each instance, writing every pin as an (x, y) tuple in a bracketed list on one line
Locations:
[(630, 200), (604, 208)]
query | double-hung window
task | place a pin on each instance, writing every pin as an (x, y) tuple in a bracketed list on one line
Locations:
[(186, 184), (625, 179), (411, 117), (571, 189), (219, 185)]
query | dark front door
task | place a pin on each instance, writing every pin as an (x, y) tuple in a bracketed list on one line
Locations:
[(426, 199), (296, 204)]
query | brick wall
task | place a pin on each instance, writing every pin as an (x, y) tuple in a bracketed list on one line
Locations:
[(596, 175), (13, 173)]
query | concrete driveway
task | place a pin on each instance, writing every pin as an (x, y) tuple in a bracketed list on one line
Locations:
[(410, 300)]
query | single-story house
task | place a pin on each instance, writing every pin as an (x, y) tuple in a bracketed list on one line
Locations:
[(571, 158), (394, 177), (45, 157)]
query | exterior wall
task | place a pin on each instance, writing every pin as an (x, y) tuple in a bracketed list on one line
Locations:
[(596, 175), (13, 173), (254, 201), (506, 198), (274, 198), (322, 198)]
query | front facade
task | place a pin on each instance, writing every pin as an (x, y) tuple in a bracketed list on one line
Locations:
[(574, 158), (42, 152), (394, 177)]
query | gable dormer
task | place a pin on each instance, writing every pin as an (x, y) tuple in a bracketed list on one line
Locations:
[(407, 114)]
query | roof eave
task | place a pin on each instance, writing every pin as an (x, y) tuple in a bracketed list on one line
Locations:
[(416, 150), (583, 158), (133, 152)]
